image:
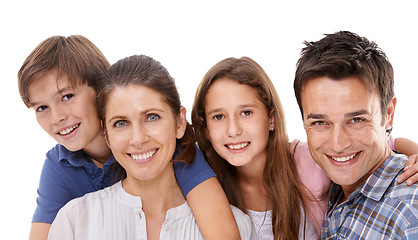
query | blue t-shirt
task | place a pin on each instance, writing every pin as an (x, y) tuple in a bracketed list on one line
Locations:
[(67, 175)]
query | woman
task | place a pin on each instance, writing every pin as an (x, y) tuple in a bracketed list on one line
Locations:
[(145, 127)]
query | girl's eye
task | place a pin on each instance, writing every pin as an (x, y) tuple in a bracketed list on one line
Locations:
[(67, 97), (41, 108), (120, 123), (218, 117), (153, 117), (246, 113)]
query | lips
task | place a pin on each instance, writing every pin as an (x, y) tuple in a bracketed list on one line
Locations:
[(143, 156), (68, 130), (237, 146), (345, 158)]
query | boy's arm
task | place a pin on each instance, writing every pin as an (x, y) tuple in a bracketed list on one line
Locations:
[(212, 211), (409, 148), (39, 231)]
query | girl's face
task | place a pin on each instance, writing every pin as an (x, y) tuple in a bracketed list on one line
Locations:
[(238, 123), (67, 114), (142, 131)]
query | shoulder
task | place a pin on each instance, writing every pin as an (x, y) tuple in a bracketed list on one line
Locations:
[(244, 223), (56, 153)]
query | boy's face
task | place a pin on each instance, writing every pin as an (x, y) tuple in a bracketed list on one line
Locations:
[(343, 122), (67, 114)]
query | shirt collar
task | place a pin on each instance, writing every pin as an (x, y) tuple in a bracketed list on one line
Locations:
[(377, 183), (78, 158)]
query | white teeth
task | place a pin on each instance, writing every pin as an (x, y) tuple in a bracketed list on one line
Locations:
[(68, 130), (237, 146), (144, 156), (343, 159)]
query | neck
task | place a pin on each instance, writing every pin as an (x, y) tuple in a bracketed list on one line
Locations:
[(161, 192), (250, 179), (98, 151)]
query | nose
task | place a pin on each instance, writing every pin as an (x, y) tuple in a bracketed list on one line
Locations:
[(138, 135), (233, 129), (58, 114), (340, 139)]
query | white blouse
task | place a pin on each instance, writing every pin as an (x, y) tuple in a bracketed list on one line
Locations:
[(112, 213), (262, 222)]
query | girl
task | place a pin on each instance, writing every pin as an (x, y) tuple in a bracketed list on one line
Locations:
[(240, 127), (58, 80), (144, 124)]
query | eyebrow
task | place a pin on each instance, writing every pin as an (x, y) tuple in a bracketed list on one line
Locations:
[(347, 115), (240, 106), (60, 91)]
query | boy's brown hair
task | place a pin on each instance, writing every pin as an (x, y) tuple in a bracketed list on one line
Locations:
[(74, 56)]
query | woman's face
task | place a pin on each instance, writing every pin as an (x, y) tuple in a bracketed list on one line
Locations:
[(238, 123), (142, 131)]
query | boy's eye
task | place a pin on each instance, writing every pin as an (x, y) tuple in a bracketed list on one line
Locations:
[(153, 117), (218, 117), (246, 113), (67, 97), (41, 108), (120, 123)]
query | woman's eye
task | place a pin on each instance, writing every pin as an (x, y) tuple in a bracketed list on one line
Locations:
[(41, 108), (218, 117), (246, 113), (153, 117), (119, 124), (67, 97)]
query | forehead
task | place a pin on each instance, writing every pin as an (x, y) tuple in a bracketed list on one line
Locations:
[(225, 90), (322, 95), (135, 96), (50, 83)]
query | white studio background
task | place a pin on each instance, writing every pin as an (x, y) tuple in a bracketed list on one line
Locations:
[(188, 37)]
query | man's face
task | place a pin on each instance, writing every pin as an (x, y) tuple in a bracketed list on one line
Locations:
[(343, 123)]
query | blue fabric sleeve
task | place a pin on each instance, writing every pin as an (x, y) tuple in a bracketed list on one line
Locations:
[(190, 175), (59, 183), (52, 194)]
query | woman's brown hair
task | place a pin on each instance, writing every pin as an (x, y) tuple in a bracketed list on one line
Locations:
[(280, 176)]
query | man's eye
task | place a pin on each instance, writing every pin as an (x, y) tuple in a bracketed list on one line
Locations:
[(67, 97), (119, 124), (41, 108), (318, 123), (153, 117), (357, 120)]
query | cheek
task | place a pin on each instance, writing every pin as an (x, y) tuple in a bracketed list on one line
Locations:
[(43, 122)]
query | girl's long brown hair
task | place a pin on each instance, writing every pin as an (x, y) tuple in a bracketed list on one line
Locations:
[(280, 176)]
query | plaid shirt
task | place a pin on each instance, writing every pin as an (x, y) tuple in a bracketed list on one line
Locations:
[(379, 209)]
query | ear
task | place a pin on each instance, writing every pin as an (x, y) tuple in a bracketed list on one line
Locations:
[(271, 121), (206, 129), (105, 133), (390, 113), (181, 123)]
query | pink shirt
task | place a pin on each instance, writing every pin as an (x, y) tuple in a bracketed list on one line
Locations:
[(314, 179)]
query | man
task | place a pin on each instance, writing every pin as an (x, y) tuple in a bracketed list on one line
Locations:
[(344, 88)]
